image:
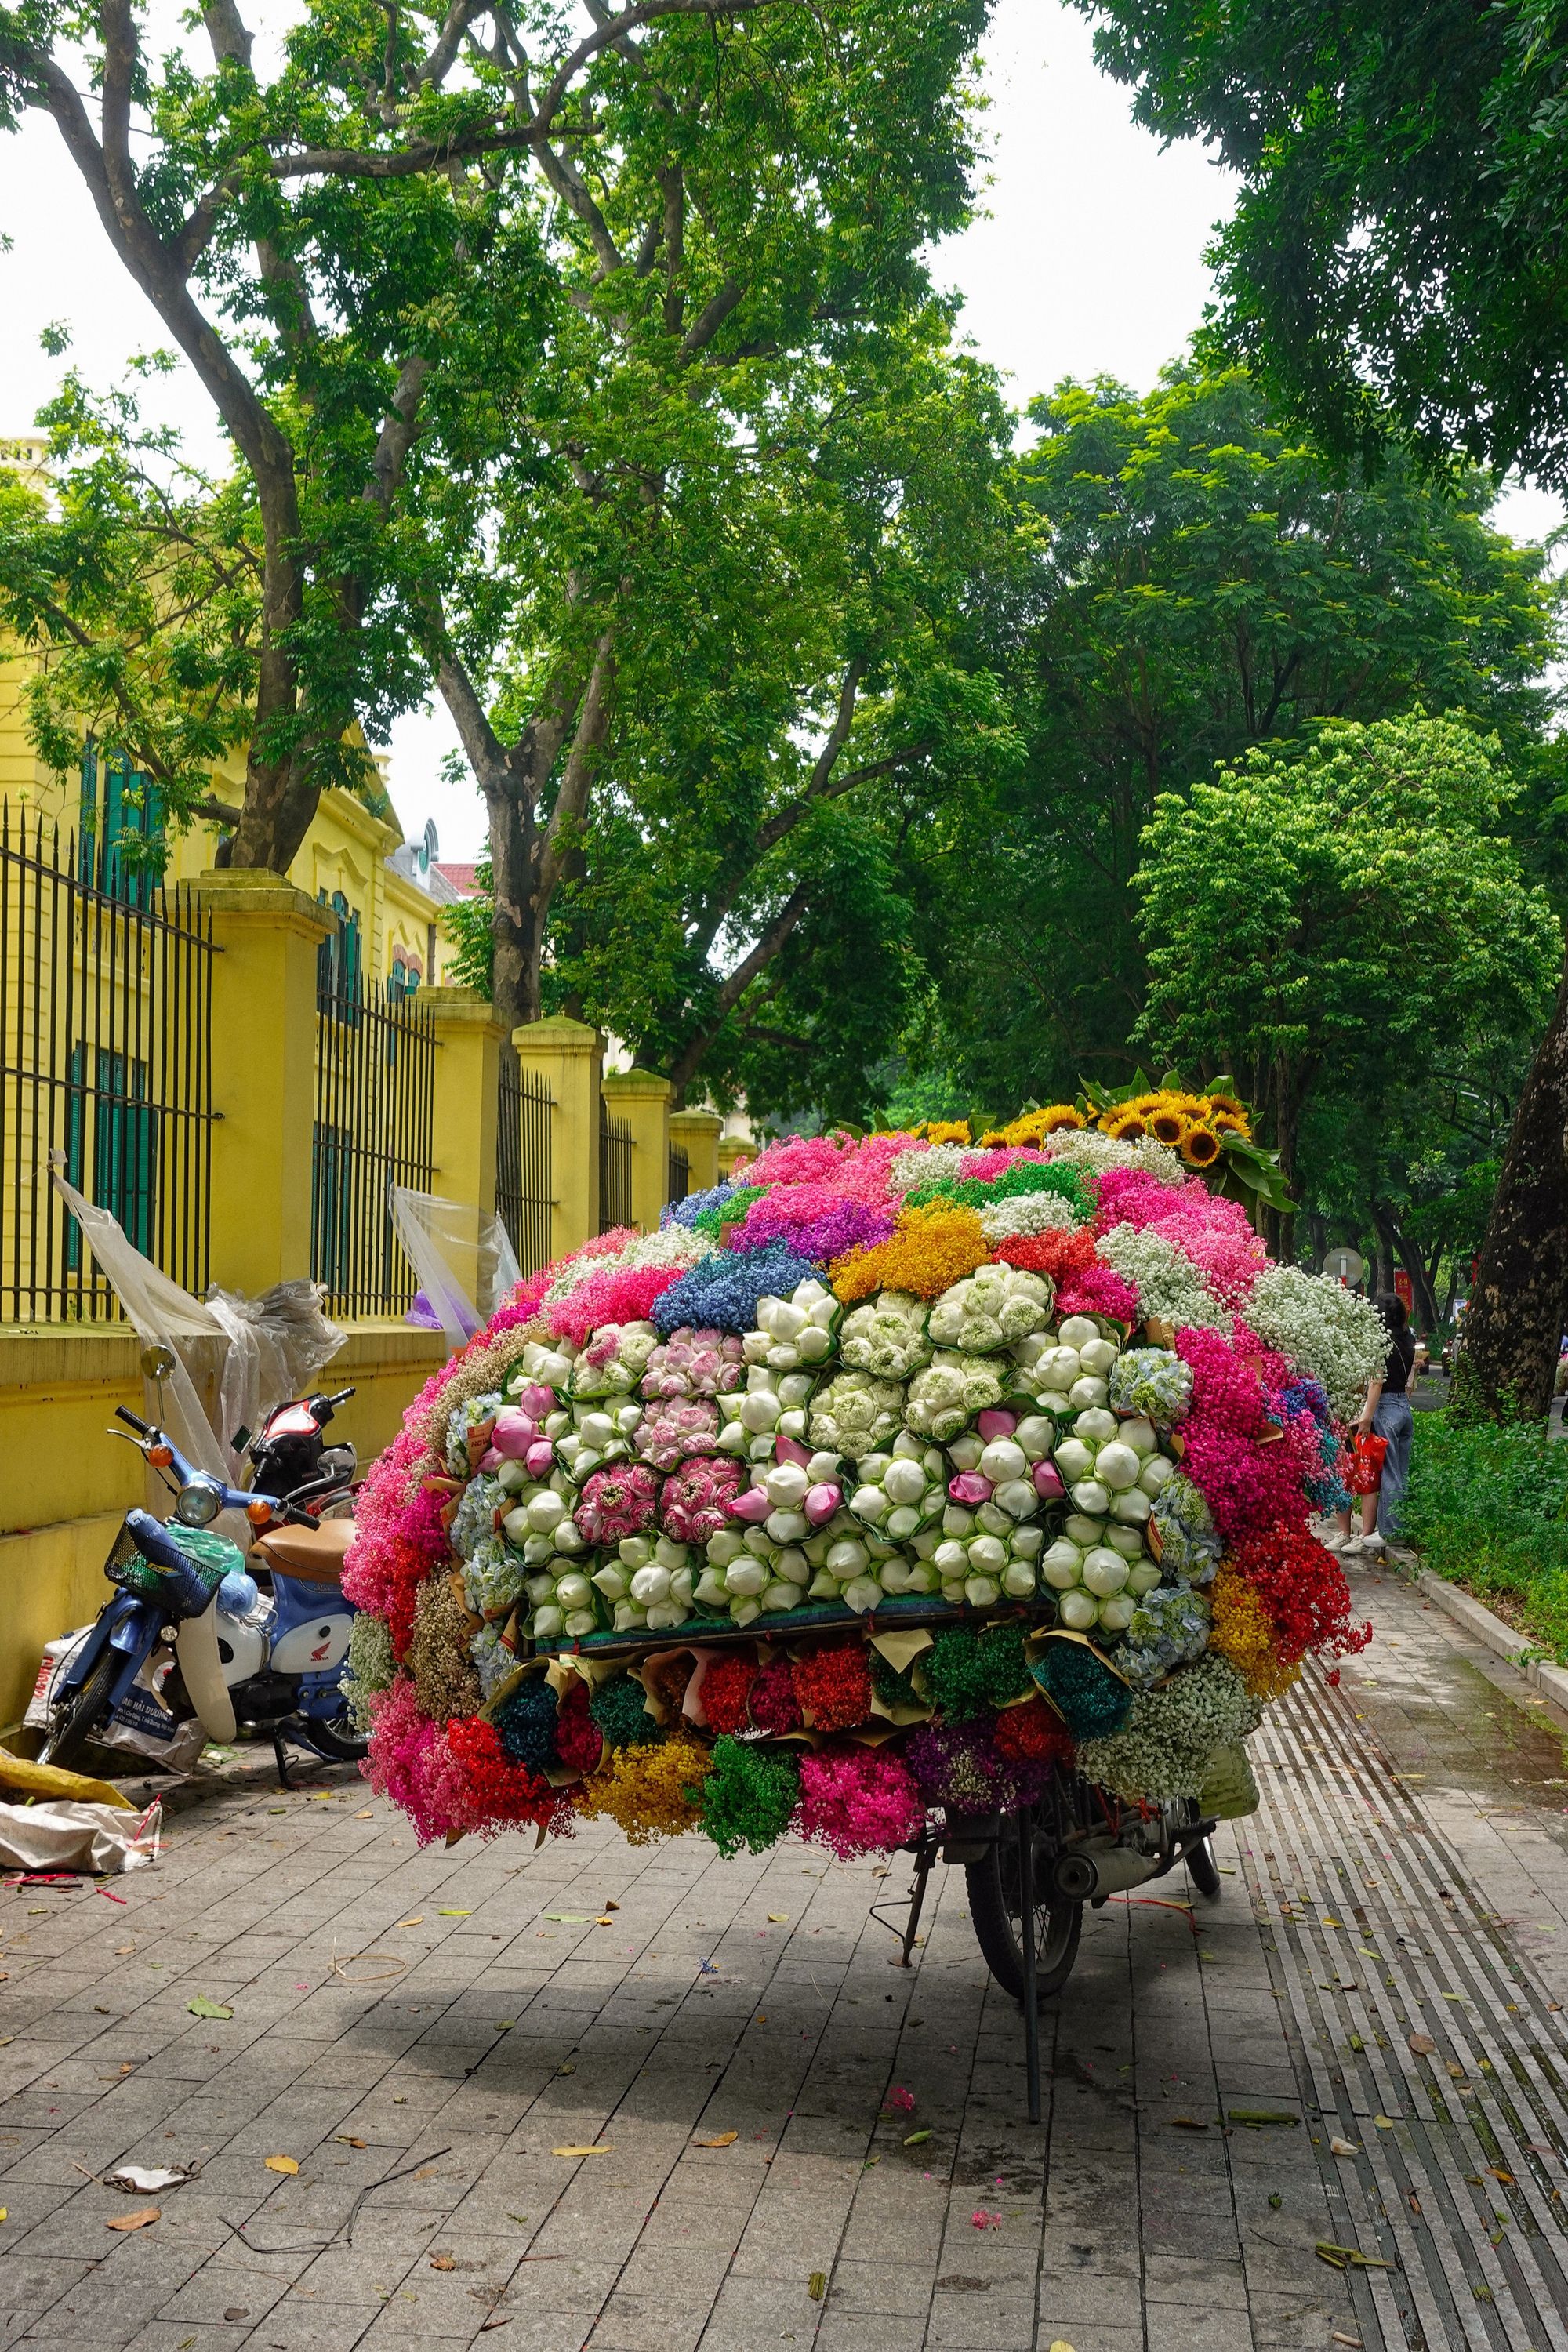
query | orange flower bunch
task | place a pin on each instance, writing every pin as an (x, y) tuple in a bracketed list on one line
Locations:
[(932, 1248)]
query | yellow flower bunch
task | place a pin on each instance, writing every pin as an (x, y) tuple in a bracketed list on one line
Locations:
[(933, 1248), (946, 1130), (649, 1793), (1033, 1126), (1241, 1631)]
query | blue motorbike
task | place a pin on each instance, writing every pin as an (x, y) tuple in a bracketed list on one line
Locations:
[(191, 1624)]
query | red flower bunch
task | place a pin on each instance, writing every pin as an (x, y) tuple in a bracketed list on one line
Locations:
[(774, 1707), (1249, 1473), (579, 1742), (725, 1690), (1033, 1733), (1059, 1254), (499, 1792), (835, 1683), (1303, 1591)]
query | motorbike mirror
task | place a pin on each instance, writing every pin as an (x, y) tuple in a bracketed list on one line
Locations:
[(157, 1362), (198, 1505)]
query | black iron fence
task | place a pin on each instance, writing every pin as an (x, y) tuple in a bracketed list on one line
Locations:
[(679, 1182), (106, 1060), (375, 1090), (614, 1171), (525, 1190)]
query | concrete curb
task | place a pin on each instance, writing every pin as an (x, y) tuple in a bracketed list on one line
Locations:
[(1550, 1681)]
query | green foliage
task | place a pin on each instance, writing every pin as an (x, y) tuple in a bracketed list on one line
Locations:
[(1302, 913), (1485, 1510), (1199, 582), (1393, 263), (748, 1796)]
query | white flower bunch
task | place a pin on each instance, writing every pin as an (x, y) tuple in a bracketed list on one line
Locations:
[(1163, 1748), (1153, 1383), (459, 1423), (748, 1571), (852, 1563), (549, 1367), (983, 1554), (901, 1491), (1099, 1569), (492, 1578), (989, 1307), (597, 1435), (886, 1336), (946, 1396), (1168, 1284), (1025, 1214), (476, 1515), (615, 1361), (539, 1524), (647, 1581), (771, 1406), (1190, 1545), (1327, 1331), (492, 1659), (926, 1164), (1086, 1147), (1112, 1469), (1169, 1626), (1066, 1373), (794, 1331), (856, 1413)]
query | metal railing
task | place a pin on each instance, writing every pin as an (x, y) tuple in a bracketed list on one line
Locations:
[(375, 1093), (679, 1182), (106, 1059), (614, 1171), (525, 1190)]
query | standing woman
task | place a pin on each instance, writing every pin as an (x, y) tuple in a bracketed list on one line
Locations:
[(1386, 1414)]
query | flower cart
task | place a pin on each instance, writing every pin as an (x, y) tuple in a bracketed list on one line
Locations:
[(909, 1493)]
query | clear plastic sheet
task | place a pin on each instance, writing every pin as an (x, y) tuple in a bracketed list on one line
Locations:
[(465, 1261)]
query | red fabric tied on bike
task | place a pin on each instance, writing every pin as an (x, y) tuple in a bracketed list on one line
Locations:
[(1366, 1464)]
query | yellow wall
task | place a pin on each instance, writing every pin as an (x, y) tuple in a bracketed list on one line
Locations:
[(59, 1390), (345, 850)]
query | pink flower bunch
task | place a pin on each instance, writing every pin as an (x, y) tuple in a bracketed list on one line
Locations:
[(1248, 1485), (621, 1293), (694, 1363), (858, 1801), (696, 1500), (410, 1763), (986, 1166), (849, 1170), (399, 1541), (676, 1427), (1098, 1291), (618, 1501), (1213, 1233)]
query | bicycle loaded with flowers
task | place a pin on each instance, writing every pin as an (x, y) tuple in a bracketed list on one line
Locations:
[(906, 1492)]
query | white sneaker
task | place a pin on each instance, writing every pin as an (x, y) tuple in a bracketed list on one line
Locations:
[(1335, 1540), (1372, 1543)]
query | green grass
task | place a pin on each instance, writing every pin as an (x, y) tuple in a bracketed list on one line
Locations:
[(1485, 1510)]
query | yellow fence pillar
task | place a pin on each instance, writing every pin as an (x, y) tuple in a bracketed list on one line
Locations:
[(697, 1133), (568, 1056), (734, 1151), (469, 1040), (642, 1099), (264, 1075)]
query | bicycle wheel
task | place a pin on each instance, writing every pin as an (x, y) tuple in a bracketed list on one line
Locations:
[(994, 1907), (1202, 1867)]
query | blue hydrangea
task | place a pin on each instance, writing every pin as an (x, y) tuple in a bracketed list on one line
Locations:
[(722, 1292), (1170, 1625), (686, 1213)]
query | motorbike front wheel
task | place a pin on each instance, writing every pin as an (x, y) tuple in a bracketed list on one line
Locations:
[(78, 1717), (994, 1907), (341, 1737)]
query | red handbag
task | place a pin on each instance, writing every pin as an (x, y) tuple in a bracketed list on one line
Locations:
[(1366, 1464)]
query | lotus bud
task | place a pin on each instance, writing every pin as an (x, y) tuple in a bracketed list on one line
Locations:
[(516, 1525), (988, 1554), (1090, 1498), (1079, 1611), (1096, 1426), (1142, 1576), (629, 1618), (536, 1550), (822, 1587), (982, 1592), (1127, 1541), (574, 1591), (1133, 1506), (861, 1593), (1003, 1459), (785, 1486), (894, 1574), (815, 1345), (710, 1589), (964, 1453), (1117, 1466), (650, 1584), (669, 1554), (759, 1411), (745, 1578), (1097, 1356), (597, 1429), (758, 1542), (779, 1595), (1017, 1498), (1140, 1435), (869, 1503), (549, 1624), (555, 1425), (787, 1526), (1104, 1572), (992, 1520), (1047, 1481), (969, 1486), (956, 1520), (996, 1423), (1086, 1391), (680, 1588), (791, 1450), (847, 1558), (724, 1547), (950, 1559), (904, 1481), (544, 1511), (1157, 1472), (752, 1505), (540, 1589), (611, 1582), (902, 1522), (540, 1459), (1062, 1565), (822, 1501), (536, 1402), (1036, 1434), (1116, 1614), (793, 1565), (1018, 1579)]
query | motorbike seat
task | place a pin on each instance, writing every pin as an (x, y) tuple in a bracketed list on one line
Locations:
[(314, 1555)]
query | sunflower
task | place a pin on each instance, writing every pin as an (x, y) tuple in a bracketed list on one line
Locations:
[(1169, 1125), (948, 1131), (1229, 1104), (1057, 1116), (1144, 1103), (1200, 1146), (1224, 1122), (1124, 1126)]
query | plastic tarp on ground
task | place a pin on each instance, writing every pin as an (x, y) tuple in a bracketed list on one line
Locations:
[(61, 1833), (465, 1261)]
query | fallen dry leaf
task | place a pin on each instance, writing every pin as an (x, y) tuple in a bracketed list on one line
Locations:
[(779, 1919), (368, 1814), (443, 2263), (348, 2141), (418, 1920), (725, 2139), (1422, 2046), (1344, 2148), (604, 1923), (282, 2164), (611, 1906), (599, 2148), (142, 2219), (816, 2285), (124, 1951), (1498, 2174)]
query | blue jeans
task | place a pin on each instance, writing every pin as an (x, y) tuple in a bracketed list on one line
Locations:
[(1393, 1421)]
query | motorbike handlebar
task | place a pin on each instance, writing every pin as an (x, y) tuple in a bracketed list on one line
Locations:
[(132, 1419)]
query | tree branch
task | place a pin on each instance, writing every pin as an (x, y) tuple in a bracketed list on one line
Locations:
[(730, 993), (577, 781)]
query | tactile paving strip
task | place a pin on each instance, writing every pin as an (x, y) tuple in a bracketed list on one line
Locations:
[(1461, 2176)]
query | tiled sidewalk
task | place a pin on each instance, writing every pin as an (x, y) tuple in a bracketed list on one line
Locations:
[(428, 2008)]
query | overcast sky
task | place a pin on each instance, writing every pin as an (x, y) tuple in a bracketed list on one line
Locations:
[(1090, 262)]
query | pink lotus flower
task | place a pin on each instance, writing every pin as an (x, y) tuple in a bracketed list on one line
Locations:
[(540, 1459), (790, 1449), (821, 1501), (537, 1400), (969, 1486), (1047, 1481), (993, 1426), (673, 1428), (514, 1433), (696, 1500), (753, 1506), (693, 1363), (618, 1502)]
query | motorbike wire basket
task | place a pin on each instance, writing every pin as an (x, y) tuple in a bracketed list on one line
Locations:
[(879, 1497)]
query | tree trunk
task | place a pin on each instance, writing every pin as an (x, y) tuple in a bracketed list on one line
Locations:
[(518, 949), (1382, 1226), (1319, 1229), (1415, 1266), (1514, 1327)]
